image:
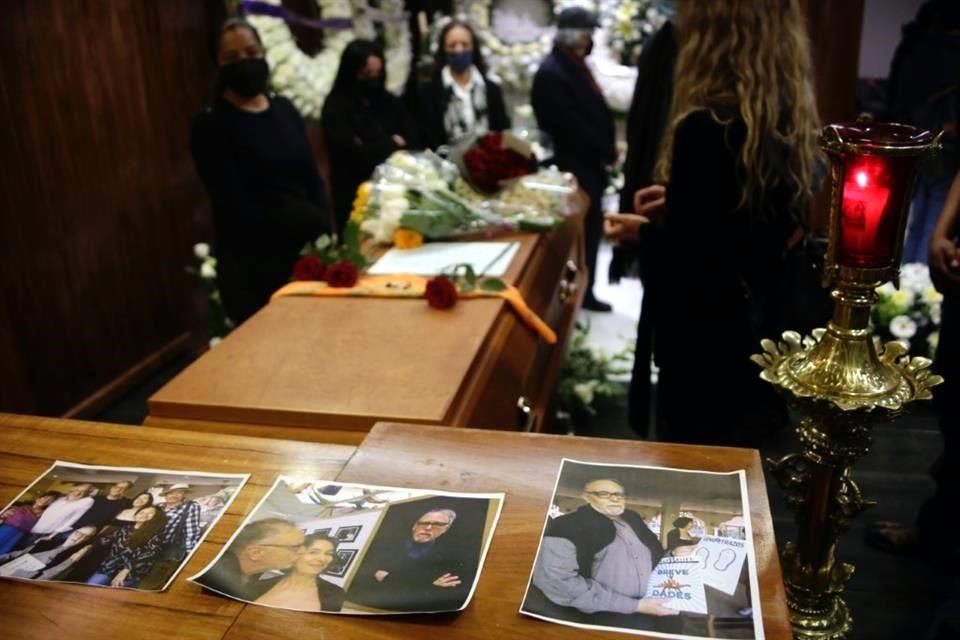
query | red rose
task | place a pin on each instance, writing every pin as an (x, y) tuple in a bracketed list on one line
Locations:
[(341, 275), (441, 293), (308, 268), (492, 141)]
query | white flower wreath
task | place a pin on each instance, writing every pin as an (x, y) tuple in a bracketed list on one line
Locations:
[(307, 80)]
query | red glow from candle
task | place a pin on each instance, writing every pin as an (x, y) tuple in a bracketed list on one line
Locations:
[(873, 191)]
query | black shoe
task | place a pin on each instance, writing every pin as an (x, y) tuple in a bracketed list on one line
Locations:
[(592, 304)]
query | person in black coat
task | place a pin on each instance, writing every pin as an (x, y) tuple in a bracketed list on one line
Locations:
[(252, 154), (570, 107), (738, 164), (425, 570), (459, 102), (363, 123), (645, 125)]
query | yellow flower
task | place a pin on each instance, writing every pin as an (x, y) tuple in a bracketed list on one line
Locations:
[(364, 192), (357, 214), (407, 239)]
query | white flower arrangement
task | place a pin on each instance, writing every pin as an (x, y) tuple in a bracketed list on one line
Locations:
[(307, 80), (910, 313), (625, 25)]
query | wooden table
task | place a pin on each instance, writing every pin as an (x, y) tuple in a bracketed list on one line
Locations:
[(40, 611), (524, 466), (326, 370)]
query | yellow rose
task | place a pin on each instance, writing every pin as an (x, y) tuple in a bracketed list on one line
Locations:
[(357, 214), (407, 239)]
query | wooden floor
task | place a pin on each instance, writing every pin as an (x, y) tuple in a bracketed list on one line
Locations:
[(890, 597)]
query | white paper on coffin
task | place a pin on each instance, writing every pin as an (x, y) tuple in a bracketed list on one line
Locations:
[(678, 581), (721, 561), (486, 258)]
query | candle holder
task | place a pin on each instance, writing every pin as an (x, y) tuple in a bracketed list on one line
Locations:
[(841, 379)]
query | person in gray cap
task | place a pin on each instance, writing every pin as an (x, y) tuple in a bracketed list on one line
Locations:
[(570, 107)]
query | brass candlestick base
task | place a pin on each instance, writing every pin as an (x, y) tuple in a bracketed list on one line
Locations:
[(841, 383)]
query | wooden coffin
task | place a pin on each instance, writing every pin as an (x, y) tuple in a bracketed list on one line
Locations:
[(327, 369)]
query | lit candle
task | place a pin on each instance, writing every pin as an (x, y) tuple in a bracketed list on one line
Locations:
[(870, 211)]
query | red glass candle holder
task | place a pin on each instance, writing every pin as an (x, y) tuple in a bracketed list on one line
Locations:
[(873, 167)]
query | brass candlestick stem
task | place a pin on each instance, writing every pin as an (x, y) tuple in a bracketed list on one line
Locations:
[(840, 379)]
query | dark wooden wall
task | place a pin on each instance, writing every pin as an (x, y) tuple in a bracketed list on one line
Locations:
[(99, 205), (834, 29)]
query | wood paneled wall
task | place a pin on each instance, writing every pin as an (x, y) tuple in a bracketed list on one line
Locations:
[(99, 204)]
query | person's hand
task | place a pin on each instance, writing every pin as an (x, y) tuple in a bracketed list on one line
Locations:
[(119, 578), (381, 575), (651, 201), (447, 580), (944, 264), (399, 141), (654, 607), (79, 554), (623, 227)]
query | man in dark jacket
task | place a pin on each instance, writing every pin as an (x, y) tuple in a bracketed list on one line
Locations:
[(597, 561), (422, 571), (571, 108)]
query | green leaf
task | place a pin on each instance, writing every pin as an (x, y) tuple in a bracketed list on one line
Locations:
[(493, 284)]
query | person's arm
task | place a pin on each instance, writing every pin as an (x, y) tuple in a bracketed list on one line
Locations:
[(548, 97), (557, 574), (191, 526), (217, 169), (944, 252), (365, 148)]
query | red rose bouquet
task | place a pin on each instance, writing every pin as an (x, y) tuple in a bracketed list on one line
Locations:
[(496, 157)]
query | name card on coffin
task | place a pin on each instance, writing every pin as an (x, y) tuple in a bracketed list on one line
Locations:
[(679, 582)]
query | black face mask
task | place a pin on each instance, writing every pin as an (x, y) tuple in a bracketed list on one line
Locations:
[(248, 77), (371, 88)]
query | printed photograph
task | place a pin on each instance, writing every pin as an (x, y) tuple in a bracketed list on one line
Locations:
[(357, 549), (348, 534), (647, 550), (111, 526)]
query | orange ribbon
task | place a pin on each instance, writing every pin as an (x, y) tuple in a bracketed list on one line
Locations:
[(409, 286)]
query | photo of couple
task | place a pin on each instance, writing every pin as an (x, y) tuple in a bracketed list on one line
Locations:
[(650, 550), (358, 549), (111, 526)]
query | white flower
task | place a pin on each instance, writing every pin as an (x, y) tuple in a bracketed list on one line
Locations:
[(915, 277), (902, 298), (935, 314), (322, 242), (903, 327), (886, 290), (381, 230), (207, 271), (933, 341), (931, 296), (215, 341), (201, 250), (584, 391)]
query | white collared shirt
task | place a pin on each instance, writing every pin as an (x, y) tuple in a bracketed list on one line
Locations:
[(464, 95)]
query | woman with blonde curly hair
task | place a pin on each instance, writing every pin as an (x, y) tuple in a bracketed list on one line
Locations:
[(737, 159)]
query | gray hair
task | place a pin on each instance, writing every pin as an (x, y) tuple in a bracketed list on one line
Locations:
[(570, 37), (450, 513)]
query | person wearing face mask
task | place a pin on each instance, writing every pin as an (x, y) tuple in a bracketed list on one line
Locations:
[(252, 153), (459, 102), (363, 123), (570, 107)]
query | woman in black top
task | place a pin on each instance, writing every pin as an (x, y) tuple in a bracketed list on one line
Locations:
[(252, 153), (737, 159), (363, 123), (681, 534), (459, 101)]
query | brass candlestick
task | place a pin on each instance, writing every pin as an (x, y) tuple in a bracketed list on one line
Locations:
[(840, 379)]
